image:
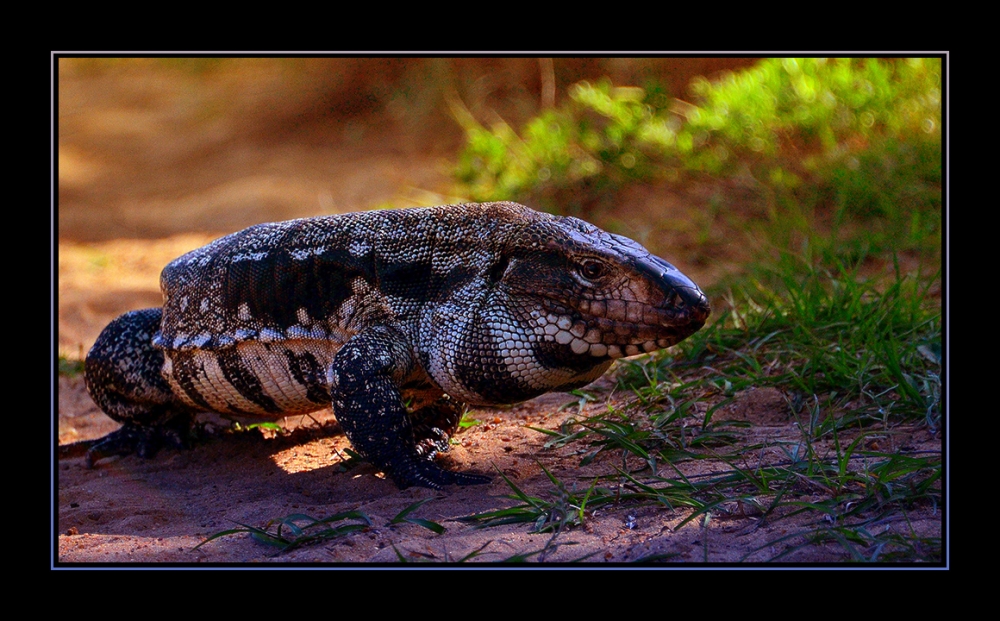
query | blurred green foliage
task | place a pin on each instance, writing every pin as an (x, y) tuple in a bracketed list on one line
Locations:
[(856, 141), (568, 157), (70, 367), (858, 138)]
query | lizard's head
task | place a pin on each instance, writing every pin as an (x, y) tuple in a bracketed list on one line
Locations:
[(555, 301), (590, 294)]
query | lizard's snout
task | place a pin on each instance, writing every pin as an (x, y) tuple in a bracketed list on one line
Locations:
[(690, 299), (680, 291)]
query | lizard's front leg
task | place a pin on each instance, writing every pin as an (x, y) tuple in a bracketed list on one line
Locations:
[(365, 379)]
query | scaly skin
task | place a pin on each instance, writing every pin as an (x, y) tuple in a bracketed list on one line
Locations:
[(443, 307)]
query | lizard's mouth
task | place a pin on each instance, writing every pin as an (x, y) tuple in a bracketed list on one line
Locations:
[(616, 328)]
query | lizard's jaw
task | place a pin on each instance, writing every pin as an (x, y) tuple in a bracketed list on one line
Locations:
[(614, 328), (673, 308)]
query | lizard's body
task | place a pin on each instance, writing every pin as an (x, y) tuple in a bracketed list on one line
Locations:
[(436, 307)]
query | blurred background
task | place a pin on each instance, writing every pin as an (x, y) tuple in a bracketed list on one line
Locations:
[(170, 145), (803, 194), (717, 164)]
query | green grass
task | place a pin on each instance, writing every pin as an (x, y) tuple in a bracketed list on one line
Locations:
[(856, 359), (565, 509), (70, 367), (865, 346), (292, 531), (821, 147), (858, 362), (848, 497)]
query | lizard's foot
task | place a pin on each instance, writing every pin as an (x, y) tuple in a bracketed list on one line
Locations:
[(143, 441), (434, 441), (423, 473), (434, 426)]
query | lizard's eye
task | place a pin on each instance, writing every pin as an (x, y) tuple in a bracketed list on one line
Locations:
[(592, 270)]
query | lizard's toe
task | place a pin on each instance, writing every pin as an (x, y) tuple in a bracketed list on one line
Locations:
[(140, 440), (421, 473)]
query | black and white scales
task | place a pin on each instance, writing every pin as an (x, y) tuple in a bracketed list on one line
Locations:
[(438, 308)]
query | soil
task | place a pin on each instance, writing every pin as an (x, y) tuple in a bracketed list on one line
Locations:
[(148, 171)]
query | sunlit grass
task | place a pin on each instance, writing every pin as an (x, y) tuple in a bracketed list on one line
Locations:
[(856, 359)]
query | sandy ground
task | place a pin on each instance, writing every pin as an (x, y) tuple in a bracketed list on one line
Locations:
[(144, 177), (133, 510)]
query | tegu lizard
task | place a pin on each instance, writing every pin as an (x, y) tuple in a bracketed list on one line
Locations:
[(396, 319)]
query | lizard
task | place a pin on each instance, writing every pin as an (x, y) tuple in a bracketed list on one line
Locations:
[(397, 319)]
